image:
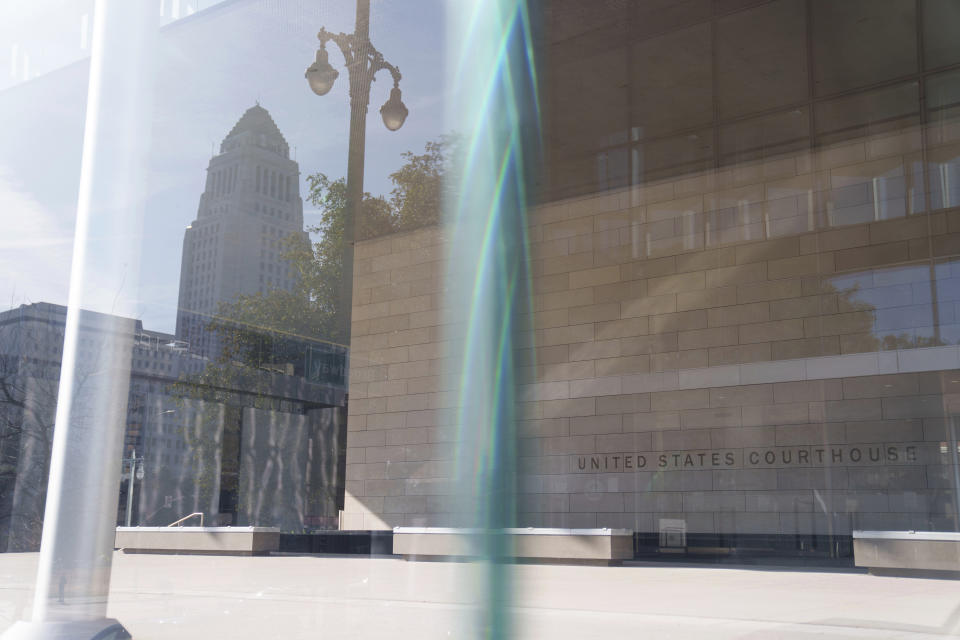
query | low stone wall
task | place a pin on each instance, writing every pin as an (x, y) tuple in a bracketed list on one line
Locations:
[(243, 541), (571, 545), (907, 550)]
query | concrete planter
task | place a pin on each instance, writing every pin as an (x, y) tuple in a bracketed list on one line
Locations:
[(245, 541), (885, 551), (569, 545)]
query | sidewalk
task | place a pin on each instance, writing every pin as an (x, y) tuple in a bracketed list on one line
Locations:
[(354, 597)]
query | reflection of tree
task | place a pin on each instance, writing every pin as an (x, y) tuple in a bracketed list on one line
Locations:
[(264, 338), (29, 401), (864, 323), (253, 329), (29, 387), (905, 341)]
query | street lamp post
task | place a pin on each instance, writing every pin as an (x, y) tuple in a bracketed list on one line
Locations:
[(136, 473), (363, 62)]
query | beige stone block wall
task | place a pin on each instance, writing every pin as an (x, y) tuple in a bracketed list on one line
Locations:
[(772, 312), (401, 409)]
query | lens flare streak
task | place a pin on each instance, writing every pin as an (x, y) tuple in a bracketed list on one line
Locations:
[(489, 272)]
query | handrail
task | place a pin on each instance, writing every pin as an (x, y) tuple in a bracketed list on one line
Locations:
[(177, 523)]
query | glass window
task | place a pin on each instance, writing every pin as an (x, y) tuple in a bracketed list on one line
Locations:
[(762, 58), (655, 17), (674, 156), (940, 47), (942, 92), (769, 135), (663, 284), (570, 18), (861, 42), (869, 112), (575, 126), (671, 84)]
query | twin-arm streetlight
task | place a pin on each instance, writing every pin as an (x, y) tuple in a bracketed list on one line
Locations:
[(363, 62), (362, 59)]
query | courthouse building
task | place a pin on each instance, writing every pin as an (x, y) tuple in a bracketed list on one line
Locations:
[(746, 285)]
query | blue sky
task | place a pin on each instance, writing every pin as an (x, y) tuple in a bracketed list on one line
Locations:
[(210, 67)]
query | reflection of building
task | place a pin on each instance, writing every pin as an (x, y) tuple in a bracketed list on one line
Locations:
[(694, 87), (41, 40), (31, 347), (260, 448), (249, 210), (283, 422), (745, 286)]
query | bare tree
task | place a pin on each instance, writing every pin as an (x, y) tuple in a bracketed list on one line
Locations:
[(31, 347)]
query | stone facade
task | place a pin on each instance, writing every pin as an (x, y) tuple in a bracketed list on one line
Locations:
[(767, 348), (401, 414)]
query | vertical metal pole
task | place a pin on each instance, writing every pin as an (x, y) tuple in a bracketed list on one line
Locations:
[(956, 469), (133, 477), (359, 76), (360, 80), (80, 515)]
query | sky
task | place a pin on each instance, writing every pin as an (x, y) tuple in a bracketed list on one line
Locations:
[(205, 70)]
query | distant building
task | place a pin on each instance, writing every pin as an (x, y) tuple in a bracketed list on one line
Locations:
[(262, 448), (43, 41), (249, 210), (31, 348)]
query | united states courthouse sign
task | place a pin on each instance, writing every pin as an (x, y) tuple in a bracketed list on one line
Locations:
[(845, 455)]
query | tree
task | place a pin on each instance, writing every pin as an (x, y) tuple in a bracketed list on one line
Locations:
[(257, 329), (272, 331), (28, 401), (31, 347), (423, 183)]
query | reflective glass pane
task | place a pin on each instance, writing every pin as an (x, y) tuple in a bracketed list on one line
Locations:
[(371, 319), (940, 46), (757, 48), (861, 42), (671, 82)]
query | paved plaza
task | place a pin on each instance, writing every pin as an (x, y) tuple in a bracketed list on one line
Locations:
[(290, 597)]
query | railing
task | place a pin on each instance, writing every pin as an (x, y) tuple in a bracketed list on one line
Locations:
[(179, 522)]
